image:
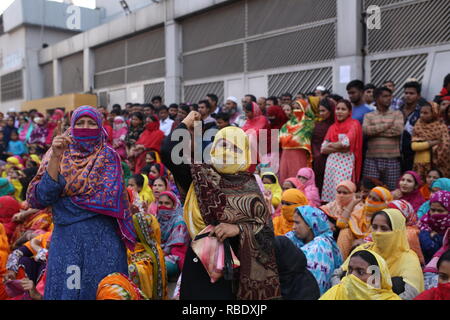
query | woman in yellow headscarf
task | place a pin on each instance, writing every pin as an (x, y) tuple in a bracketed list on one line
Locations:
[(390, 241), (226, 197), (290, 200), (367, 278), (270, 181), (139, 183)]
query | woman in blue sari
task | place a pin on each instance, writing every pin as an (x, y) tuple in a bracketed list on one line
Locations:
[(312, 234), (81, 179)]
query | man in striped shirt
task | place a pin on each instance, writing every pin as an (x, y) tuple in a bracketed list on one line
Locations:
[(383, 128)]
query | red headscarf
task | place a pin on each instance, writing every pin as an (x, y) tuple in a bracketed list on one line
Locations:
[(151, 139), (353, 130), (442, 292), (279, 115), (152, 136), (8, 208)]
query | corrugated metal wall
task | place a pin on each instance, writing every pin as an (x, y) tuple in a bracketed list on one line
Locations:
[(195, 93), (153, 89), (12, 86), (72, 73), (123, 61), (255, 35), (410, 24), (398, 70), (300, 82)]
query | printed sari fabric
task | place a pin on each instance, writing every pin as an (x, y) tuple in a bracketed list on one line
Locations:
[(39, 223), (322, 253), (118, 286), (226, 193), (174, 234), (93, 175), (146, 264)]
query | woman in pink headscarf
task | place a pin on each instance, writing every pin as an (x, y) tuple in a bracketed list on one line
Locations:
[(308, 185), (409, 189), (119, 134), (52, 124)]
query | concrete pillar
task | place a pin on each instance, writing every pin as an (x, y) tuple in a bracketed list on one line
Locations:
[(88, 70), (174, 55), (349, 63), (57, 77)]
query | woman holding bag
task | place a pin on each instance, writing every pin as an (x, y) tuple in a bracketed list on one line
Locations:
[(227, 198)]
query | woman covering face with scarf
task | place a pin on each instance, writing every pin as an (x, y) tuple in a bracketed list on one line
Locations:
[(391, 243), (81, 179), (290, 200), (227, 197), (434, 224)]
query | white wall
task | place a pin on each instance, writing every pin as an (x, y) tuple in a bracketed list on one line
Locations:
[(113, 9)]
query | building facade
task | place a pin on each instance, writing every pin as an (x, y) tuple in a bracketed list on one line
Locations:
[(184, 49)]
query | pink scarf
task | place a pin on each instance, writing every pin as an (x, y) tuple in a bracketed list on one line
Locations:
[(309, 187)]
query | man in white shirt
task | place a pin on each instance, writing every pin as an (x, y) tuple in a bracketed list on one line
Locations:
[(165, 123)]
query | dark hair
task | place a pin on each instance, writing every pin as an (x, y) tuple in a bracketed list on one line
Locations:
[(328, 104), (206, 103), (249, 107), (335, 97), (271, 177), (138, 115), (369, 86), (437, 170), (367, 256), (274, 99), (157, 98), (195, 106), (447, 80), (153, 154), (166, 182), (379, 91), (389, 81), (287, 94), (139, 180), (223, 116), (185, 108), (173, 105), (149, 105), (385, 215), (145, 170), (252, 97), (117, 106), (445, 257), (358, 84), (213, 97), (157, 166), (347, 103), (162, 108), (414, 85)]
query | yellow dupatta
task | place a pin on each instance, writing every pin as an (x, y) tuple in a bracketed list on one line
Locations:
[(225, 160), (275, 188), (352, 288), (146, 195), (393, 246)]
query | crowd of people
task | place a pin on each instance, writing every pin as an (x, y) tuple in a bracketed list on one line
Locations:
[(351, 202)]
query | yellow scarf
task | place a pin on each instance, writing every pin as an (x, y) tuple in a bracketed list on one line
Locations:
[(393, 246), (352, 288), (146, 194), (230, 159), (275, 188)]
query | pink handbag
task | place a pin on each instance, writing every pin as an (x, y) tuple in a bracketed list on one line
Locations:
[(217, 257)]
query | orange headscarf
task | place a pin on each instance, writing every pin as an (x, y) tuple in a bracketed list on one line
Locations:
[(284, 223), (118, 286)]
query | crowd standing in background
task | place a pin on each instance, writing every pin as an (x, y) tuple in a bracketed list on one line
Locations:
[(351, 202)]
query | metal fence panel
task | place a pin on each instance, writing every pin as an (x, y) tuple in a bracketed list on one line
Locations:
[(295, 48), (109, 79), (47, 79), (301, 81), (12, 86), (147, 46), (153, 89), (195, 93), (267, 15), (72, 73), (398, 70), (146, 71)]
